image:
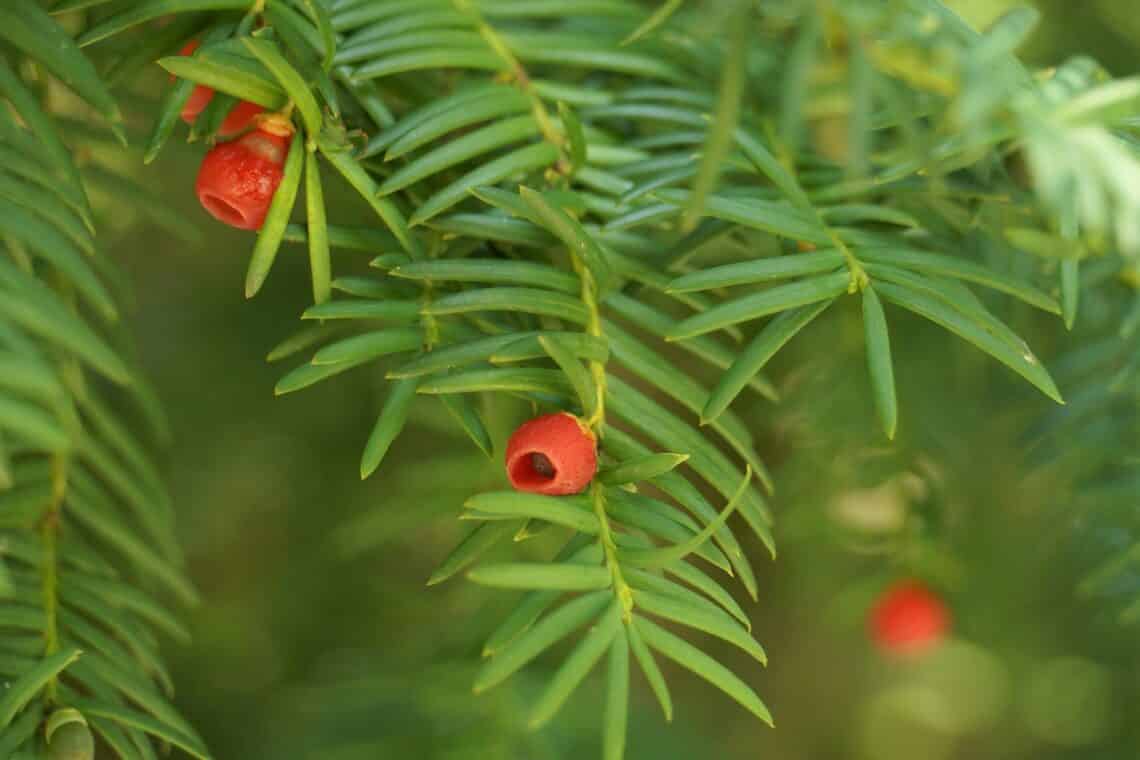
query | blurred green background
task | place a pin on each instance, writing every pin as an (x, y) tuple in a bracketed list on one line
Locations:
[(318, 638)]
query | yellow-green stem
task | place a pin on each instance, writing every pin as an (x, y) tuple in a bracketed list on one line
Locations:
[(859, 278), (494, 40), (609, 547), (597, 420), (49, 536), (431, 324)]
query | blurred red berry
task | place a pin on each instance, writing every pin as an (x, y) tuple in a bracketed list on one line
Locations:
[(240, 117), (909, 619), (555, 454), (237, 179)]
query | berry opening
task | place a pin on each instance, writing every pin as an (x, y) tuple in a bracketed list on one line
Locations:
[(534, 469), (222, 209)]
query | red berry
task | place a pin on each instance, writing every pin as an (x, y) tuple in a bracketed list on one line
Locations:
[(237, 179), (200, 97), (909, 619), (555, 454), (237, 120), (240, 117)]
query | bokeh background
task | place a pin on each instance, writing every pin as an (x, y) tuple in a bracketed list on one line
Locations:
[(318, 639)]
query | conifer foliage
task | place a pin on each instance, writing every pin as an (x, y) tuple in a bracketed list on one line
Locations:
[(545, 178)]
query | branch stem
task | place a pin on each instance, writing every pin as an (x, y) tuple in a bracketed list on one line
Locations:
[(495, 41), (605, 534), (49, 569)]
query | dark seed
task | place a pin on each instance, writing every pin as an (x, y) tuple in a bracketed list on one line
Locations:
[(542, 465)]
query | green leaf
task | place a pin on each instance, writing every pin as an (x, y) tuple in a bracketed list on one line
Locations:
[(435, 108), (706, 460), (301, 340), (473, 546), (759, 270), (131, 719), (24, 689), (496, 271), (801, 59), (949, 266), (226, 78), (273, 230), (115, 594), (147, 10), (580, 378), (774, 217), (43, 237), (577, 666), (1108, 103), (356, 176), (32, 424), (582, 345), (703, 347), (879, 361), (44, 129), (123, 746), (525, 300), (511, 379), (462, 408), (28, 28), (689, 657), (864, 214), (566, 228), (642, 468), (719, 140), (29, 163), (516, 162), (543, 635), (320, 263), (575, 136), (456, 58), (773, 170), (570, 511), (5, 484), (478, 143), (966, 327), (756, 305), (652, 672), (396, 311), (694, 577), (662, 520), (462, 354), (752, 359), (664, 375), (686, 494), (616, 717), (47, 206), (370, 345), (28, 303), (1070, 290), (670, 554), (22, 729), (320, 15), (388, 425), (663, 13), (580, 548), (539, 575), (708, 619), (368, 287), (349, 238), (103, 523), (492, 106), (291, 82)]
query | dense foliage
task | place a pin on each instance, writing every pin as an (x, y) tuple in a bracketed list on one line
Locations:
[(582, 205)]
